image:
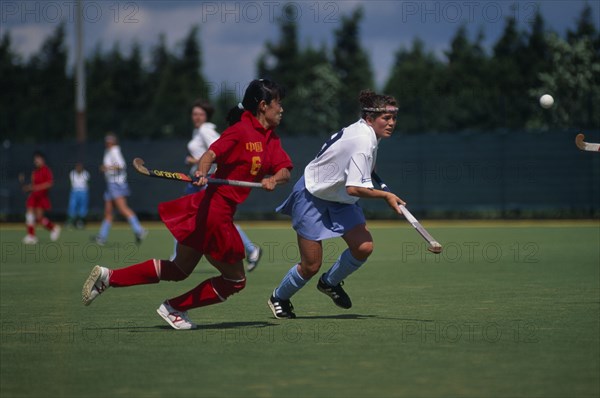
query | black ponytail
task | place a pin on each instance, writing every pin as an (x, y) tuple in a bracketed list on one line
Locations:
[(235, 114)]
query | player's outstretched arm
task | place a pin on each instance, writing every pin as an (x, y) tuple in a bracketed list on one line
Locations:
[(392, 200), (281, 177)]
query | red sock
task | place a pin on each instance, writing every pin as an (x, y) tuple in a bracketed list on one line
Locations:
[(137, 274), (202, 295), (47, 224), (30, 230), (211, 291)]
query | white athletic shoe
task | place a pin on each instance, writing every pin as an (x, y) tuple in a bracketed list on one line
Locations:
[(99, 241), (55, 233), (177, 319), (96, 283), (254, 258), (30, 239)]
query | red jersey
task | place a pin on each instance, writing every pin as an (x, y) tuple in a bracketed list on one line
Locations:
[(41, 176), (40, 199), (247, 151)]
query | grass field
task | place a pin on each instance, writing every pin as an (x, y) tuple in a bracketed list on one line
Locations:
[(510, 309)]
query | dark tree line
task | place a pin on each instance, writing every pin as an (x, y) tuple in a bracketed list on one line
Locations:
[(468, 88), (473, 90)]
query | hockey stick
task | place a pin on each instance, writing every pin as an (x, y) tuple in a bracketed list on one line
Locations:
[(434, 245), (586, 146), (138, 163)]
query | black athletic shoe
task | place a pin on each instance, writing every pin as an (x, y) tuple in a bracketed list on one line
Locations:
[(282, 309), (337, 293)]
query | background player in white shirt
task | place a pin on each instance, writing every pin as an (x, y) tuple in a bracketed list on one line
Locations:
[(203, 135), (114, 169), (323, 204)]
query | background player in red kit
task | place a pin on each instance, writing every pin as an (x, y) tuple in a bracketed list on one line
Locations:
[(38, 201), (202, 223)]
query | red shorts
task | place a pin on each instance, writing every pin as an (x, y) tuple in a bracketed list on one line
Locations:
[(38, 200), (204, 221)]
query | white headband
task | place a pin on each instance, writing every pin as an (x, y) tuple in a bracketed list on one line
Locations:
[(387, 109), (240, 105)]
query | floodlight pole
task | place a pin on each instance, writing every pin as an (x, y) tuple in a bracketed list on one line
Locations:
[(80, 105)]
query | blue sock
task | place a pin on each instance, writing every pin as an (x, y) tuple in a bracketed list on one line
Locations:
[(135, 224), (248, 245), (104, 230), (344, 266), (290, 284)]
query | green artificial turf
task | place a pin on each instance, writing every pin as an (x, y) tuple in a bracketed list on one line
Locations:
[(507, 310)]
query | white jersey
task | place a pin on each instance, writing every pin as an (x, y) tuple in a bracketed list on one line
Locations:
[(79, 181), (345, 160), (202, 138), (115, 165)]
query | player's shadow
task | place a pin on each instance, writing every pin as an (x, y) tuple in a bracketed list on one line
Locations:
[(360, 316), (132, 328), (338, 316), (224, 325), (234, 325)]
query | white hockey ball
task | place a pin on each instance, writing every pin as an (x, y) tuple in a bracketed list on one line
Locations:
[(546, 101)]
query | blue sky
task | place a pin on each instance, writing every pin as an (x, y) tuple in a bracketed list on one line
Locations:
[(233, 34)]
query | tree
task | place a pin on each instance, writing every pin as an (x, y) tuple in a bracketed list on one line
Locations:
[(281, 63), (465, 85), (574, 80), (537, 51), (318, 96), (116, 100), (100, 94), (533, 59), (50, 111), (508, 72), (188, 67), (352, 65), (136, 101), (414, 81), (13, 102), (585, 26), (176, 81), (128, 80), (162, 75)]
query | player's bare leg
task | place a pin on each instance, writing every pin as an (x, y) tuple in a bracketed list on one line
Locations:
[(311, 257), (360, 247), (360, 242), (122, 207)]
